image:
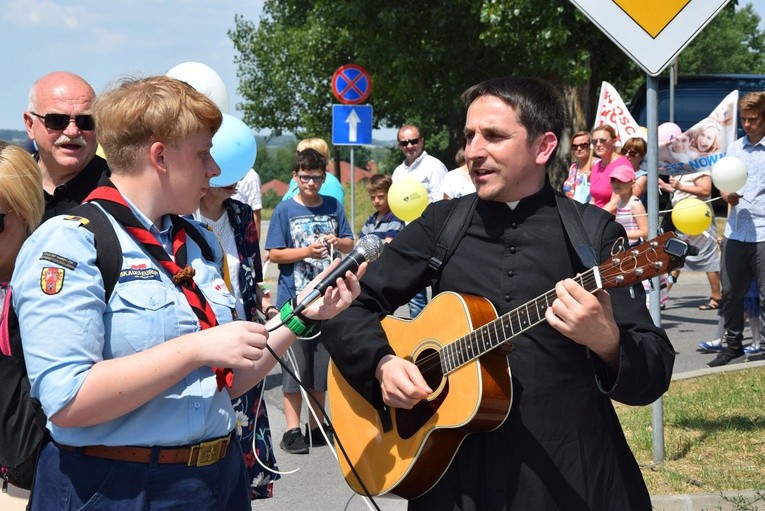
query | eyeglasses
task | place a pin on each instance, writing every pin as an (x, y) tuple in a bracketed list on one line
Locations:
[(305, 179), (59, 122), (583, 145), (629, 153), (413, 141), (596, 141)]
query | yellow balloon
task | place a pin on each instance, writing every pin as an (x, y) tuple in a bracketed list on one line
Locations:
[(100, 151), (692, 216), (407, 198)]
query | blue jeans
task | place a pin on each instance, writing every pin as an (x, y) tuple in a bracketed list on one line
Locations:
[(69, 480), (417, 303)]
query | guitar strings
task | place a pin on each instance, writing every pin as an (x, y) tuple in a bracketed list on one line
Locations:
[(431, 364)]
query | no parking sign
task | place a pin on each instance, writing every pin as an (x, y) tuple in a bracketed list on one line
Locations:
[(351, 84)]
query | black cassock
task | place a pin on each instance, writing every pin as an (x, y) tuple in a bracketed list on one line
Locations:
[(562, 446)]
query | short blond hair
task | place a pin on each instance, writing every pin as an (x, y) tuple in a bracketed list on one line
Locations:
[(137, 112), (317, 144), (21, 184)]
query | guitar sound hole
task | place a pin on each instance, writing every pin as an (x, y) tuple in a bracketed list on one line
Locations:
[(429, 363)]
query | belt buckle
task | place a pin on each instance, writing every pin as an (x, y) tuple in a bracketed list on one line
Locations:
[(208, 452)]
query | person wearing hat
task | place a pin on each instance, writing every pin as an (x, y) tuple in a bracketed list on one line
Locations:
[(630, 212)]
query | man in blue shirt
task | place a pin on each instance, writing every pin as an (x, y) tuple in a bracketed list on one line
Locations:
[(743, 245)]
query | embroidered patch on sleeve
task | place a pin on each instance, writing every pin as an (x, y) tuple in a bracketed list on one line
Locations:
[(52, 280), (59, 260)]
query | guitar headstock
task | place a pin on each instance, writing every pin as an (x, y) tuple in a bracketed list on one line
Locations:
[(635, 264)]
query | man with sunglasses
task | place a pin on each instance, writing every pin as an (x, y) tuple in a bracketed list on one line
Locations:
[(59, 121), (426, 169)]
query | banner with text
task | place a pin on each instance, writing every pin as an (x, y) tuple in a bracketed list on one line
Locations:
[(612, 110), (698, 149)]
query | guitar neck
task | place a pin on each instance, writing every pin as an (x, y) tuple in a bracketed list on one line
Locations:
[(492, 334)]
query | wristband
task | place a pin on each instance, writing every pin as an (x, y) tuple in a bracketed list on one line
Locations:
[(299, 324)]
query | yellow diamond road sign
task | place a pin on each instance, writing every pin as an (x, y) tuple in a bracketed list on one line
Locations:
[(651, 32)]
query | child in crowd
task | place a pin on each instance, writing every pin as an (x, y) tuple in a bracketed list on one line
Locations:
[(303, 236), (631, 213), (382, 223)]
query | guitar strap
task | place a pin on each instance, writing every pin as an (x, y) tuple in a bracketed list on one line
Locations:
[(452, 231), (577, 233), (458, 221)]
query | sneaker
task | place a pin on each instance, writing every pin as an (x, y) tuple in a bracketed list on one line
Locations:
[(711, 346), (293, 442), (317, 439), (726, 355), (753, 349)]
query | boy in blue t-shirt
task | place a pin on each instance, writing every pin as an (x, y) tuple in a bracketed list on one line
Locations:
[(303, 236), (382, 222)]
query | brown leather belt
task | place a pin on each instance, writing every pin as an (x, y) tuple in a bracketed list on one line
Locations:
[(200, 455)]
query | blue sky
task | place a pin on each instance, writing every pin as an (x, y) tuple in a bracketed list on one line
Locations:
[(102, 40)]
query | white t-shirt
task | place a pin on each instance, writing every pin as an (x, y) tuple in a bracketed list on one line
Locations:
[(248, 190)]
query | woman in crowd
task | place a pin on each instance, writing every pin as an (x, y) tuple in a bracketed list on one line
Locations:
[(21, 209), (699, 185), (604, 143), (233, 223), (577, 184), (634, 149)]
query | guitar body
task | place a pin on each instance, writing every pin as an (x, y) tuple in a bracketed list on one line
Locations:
[(408, 451)]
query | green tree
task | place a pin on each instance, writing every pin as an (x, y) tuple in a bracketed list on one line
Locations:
[(731, 43), (423, 55)]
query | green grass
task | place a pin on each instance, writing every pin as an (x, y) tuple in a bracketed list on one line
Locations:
[(714, 434)]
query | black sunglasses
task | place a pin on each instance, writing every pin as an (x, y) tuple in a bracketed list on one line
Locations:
[(629, 153), (413, 141), (59, 122), (2, 221), (583, 145)]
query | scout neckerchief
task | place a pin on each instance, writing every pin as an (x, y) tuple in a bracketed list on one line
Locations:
[(109, 198)]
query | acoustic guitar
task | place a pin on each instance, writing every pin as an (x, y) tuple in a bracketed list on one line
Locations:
[(452, 342)]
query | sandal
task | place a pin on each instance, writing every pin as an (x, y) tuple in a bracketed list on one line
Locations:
[(712, 304)]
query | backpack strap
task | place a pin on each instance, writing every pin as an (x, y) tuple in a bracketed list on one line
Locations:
[(452, 231), (108, 249), (193, 232), (5, 336)]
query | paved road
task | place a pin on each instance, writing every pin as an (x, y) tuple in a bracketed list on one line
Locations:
[(317, 483)]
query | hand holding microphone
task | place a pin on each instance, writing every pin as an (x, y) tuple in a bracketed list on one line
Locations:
[(368, 249)]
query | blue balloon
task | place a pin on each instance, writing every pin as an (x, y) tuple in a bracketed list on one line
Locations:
[(234, 150)]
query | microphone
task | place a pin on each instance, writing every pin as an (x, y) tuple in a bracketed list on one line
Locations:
[(368, 249)]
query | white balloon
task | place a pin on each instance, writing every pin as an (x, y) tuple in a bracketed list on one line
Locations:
[(205, 80), (729, 174)]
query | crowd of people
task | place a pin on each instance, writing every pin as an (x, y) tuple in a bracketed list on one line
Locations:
[(153, 389), (736, 286)]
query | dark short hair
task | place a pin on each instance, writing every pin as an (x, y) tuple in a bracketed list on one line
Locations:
[(310, 159), (539, 105), (379, 182)]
